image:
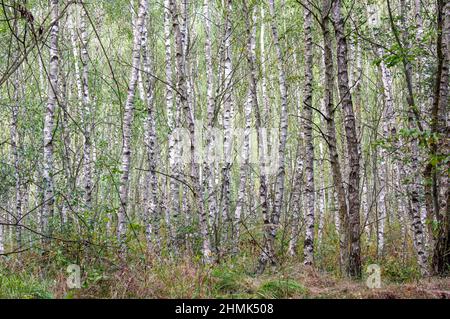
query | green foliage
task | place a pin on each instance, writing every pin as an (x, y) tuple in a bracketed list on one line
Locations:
[(227, 280), (394, 270), (283, 288), (23, 286)]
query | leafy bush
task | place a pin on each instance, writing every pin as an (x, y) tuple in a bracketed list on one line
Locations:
[(396, 271)]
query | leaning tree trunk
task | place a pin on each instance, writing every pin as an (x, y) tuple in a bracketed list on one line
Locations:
[(270, 231), (127, 127)]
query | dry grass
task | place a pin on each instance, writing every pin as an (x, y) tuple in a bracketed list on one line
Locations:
[(187, 278)]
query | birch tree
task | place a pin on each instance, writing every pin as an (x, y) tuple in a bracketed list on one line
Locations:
[(309, 146), (49, 119), (122, 217), (354, 266), (270, 231)]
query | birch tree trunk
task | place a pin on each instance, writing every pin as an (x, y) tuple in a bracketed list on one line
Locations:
[(174, 189), (308, 251), (263, 143), (387, 122), (413, 120), (331, 135), (66, 140), (48, 206), (14, 133), (87, 150), (245, 153), (182, 103), (270, 231), (297, 203), (354, 266), (208, 169), (127, 127), (152, 214), (227, 128), (441, 257)]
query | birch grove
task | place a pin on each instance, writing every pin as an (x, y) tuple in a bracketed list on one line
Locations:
[(307, 135)]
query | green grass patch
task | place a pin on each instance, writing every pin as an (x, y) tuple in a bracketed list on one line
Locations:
[(23, 287), (284, 288)]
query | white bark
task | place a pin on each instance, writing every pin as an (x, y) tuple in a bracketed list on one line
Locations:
[(245, 153), (173, 206), (87, 150), (14, 132), (354, 263), (321, 195), (308, 251), (183, 104), (152, 214), (127, 126), (270, 231), (208, 169), (48, 207), (227, 128)]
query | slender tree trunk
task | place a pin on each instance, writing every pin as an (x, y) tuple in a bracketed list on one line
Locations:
[(386, 119), (127, 127), (331, 135), (73, 39), (245, 154), (48, 207), (322, 195), (308, 251), (441, 256), (172, 120), (413, 119), (263, 180), (268, 253), (208, 169), (227, 127), (87, 149), (297, 202), (152, 214), (15, 153), (65, 137), (182, 103), (354, 266)]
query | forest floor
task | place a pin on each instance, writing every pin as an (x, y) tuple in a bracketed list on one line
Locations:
[(188, 279)]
